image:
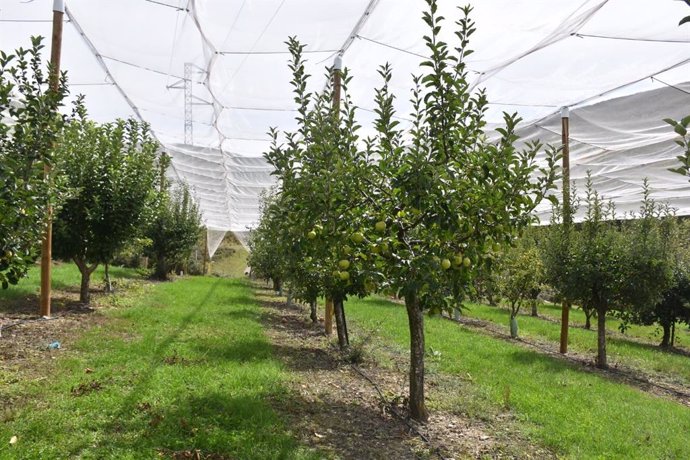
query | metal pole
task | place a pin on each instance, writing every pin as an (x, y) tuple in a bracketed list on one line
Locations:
[(567, 216), (46, 250)]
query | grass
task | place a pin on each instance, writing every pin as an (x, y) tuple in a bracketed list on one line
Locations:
[(575, 413), (65, 276), (230, 259), (650, 334), (182, 366), (644, 356)]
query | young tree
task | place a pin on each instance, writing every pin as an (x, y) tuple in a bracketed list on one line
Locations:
[(443, 202), (608, 266), (112, 170), (175, 229), (29, 126), (321, 174), (267, 254), (520, 278)]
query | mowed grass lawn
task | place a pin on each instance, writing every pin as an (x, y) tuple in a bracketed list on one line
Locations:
[(185, 365), (576, 413), (637, 351)]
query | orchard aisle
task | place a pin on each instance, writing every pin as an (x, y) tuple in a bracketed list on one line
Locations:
[(175, 370), (334, 408)]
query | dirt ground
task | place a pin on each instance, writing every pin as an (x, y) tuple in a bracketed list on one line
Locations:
[(358, 411)]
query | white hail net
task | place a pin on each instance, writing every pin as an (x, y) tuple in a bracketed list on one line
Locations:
[(620, 65)]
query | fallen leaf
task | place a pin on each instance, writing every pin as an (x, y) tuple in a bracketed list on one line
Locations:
[(13, 440)]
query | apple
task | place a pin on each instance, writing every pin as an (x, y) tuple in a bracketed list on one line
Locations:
[(336, 274), (357, 237), (384, 248), (344, 276), (445, 264), (347, 250), (457, 260), (344, 264), (466, 262), (380, 226), (311, 235)]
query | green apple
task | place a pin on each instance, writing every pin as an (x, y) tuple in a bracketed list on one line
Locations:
[(380, 226), (336, 274), (457, 260), (466, 262), (347, 250), (344, 264), (311, 235), (357, 237), (344, 276), (445, 264)]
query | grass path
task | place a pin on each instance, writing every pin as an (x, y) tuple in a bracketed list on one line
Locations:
[(185, 366), (575, 413), (630, 350)]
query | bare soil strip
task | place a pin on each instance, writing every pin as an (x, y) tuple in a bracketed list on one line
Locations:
[(358, 412)]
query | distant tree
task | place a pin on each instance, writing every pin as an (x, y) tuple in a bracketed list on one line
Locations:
[(674, 304), (267, 253), (606, 266), (112, 170), (520, 276), (175, 229), (29, 126)]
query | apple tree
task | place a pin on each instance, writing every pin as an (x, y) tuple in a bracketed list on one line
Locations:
[(175, 228), (321, 173), (112, 171), (29, 126), (443, 198), (520, 278)]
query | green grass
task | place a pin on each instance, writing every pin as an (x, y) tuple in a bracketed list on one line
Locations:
[(185, 365), (575, 413), (650, 334), (65, 275), (645, 356), (230, 259)]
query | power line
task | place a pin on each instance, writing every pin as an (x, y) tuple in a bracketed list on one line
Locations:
[(178, 8), (632, 39)]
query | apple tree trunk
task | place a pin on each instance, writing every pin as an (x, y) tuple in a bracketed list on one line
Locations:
[(601, 338), (340, 322), (86, 271), (415, 316), (312, 308)]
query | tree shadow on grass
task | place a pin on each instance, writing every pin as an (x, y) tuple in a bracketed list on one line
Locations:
[(546, 363), (297, 359), (28, 306), (266, 424)]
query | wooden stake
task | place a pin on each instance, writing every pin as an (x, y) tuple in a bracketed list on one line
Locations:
[(47, 248), (206, 253), (328, 319), (337, 85), (567, 216)]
